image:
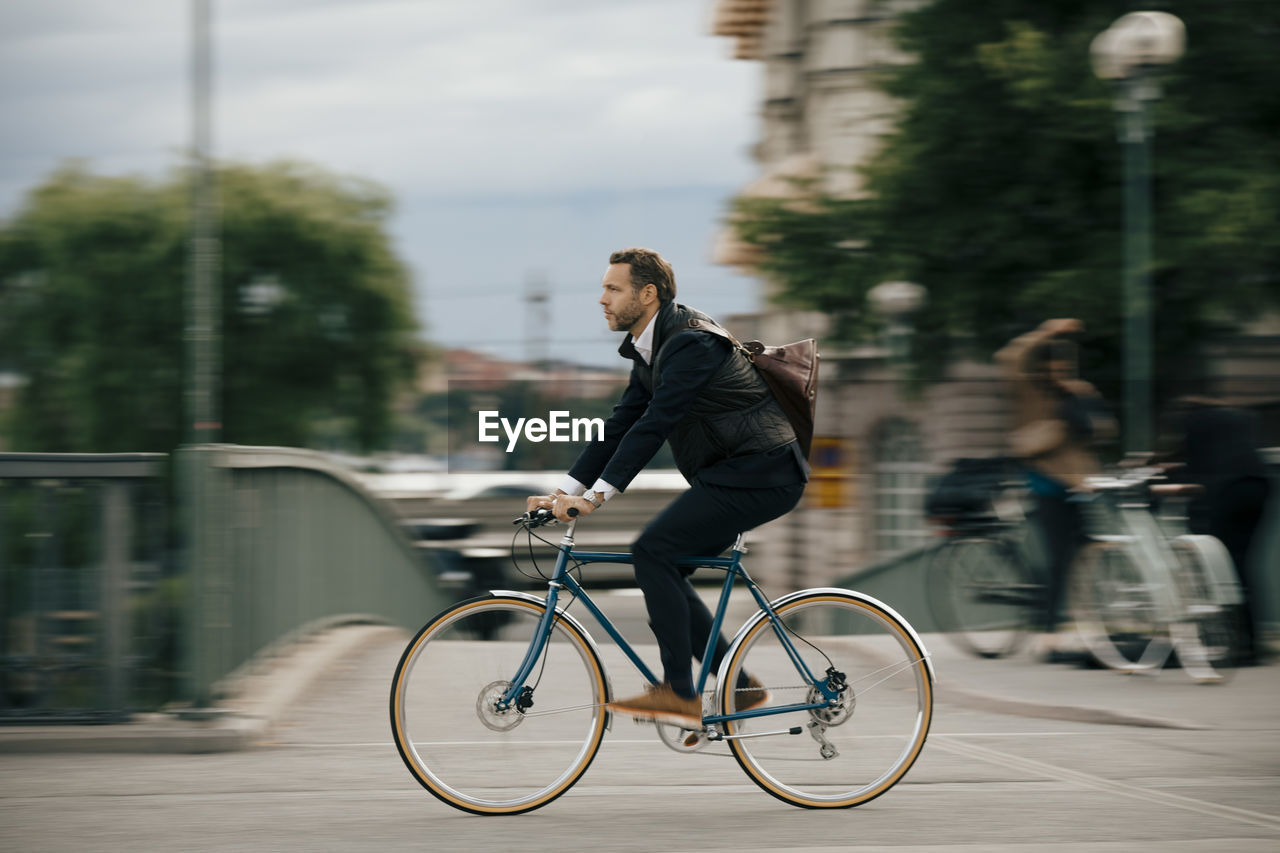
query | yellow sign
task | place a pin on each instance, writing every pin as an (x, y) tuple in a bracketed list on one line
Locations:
[(831, 480)]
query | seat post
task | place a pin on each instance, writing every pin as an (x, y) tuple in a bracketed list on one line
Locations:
[(739, 545)]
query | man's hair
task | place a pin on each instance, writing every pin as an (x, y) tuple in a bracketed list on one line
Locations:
[(648, 267)]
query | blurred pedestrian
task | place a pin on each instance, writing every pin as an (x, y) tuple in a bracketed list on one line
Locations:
[(1217, 445), (1058, 418), (732, 442)]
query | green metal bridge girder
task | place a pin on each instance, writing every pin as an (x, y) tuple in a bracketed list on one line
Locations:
[(285, 541)]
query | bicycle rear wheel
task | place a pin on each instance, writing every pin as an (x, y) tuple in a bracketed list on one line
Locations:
[(981, 594), (455, 741), (1210, 637), (853, 752), (1116, 610)]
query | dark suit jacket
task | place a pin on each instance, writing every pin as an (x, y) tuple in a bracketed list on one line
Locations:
[(641, 422), (1219, 445)]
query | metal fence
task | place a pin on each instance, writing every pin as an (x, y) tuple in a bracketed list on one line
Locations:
[(286, 542), (101, 615), (87, 598)]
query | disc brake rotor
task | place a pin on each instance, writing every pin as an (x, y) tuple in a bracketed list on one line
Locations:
[(487, 708)]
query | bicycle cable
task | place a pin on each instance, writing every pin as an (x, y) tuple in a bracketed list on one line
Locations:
[(753, 585), (540, 574), (533, 558)]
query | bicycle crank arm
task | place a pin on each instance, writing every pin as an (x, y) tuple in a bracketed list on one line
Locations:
[(719, 736)]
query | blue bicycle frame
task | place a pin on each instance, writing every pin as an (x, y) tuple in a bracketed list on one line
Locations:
[(562, 578)]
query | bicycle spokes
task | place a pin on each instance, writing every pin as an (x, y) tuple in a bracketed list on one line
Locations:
[(865, 721), (461, 733)]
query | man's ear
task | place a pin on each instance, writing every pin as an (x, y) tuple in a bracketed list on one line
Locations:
[(649, 294)]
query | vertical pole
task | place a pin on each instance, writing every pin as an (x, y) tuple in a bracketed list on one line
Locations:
[(1136, 139), (201, 339), (537, 319), (117, 536), (203, 291), (6, 645)]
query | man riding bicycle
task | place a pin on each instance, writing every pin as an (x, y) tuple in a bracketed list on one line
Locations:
[(731, 441)]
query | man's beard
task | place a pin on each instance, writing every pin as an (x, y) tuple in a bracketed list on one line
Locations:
[(627, 316)]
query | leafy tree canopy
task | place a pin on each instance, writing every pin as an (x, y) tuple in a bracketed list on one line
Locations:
[(316, 317), (1001, 189)]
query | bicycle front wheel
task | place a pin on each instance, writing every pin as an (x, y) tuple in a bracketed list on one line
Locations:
[(450, 731), (848, 753), (1116, 610), (982, 596)]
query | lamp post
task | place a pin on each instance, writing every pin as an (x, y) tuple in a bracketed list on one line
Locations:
[(1131, 53), (897, 301), (207, 604)]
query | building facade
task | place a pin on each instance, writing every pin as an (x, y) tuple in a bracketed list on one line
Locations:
[(879, 442)]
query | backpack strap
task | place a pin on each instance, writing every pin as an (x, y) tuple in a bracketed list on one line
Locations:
[(694, 324)]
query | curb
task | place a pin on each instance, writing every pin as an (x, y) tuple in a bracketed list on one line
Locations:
[(1050, 711), (995, 702), (255, 702)]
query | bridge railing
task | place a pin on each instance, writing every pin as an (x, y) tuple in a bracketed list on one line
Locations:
[(285, 541), (86, 575), (108, 605)]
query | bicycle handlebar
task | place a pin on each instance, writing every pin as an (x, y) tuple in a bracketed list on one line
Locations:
[(1145, 481), (541, 517)]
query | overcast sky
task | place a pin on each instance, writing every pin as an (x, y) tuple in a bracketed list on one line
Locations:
[(519, 137)]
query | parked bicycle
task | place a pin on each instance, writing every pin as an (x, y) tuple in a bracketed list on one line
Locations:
[(1141, 594), (506, 725), (981, 589)]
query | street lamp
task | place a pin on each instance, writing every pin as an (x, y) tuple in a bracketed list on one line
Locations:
[(1131, 52), (897, 301)]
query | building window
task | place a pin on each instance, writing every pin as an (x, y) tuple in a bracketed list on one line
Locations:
[(900, 474)]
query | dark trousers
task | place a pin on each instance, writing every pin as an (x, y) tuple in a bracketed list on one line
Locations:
[(1062, 531), (1234, 518), (702, 522)]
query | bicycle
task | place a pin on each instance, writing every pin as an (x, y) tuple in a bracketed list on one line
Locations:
[(507, 725), (981, 590), (1141, 594)]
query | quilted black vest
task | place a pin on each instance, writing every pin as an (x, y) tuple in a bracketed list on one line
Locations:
[(735, 413)]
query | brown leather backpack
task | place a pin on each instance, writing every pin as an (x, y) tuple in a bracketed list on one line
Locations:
[(790, 371)]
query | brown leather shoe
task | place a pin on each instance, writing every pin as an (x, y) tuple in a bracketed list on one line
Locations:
[(661, 702), (753, 695)]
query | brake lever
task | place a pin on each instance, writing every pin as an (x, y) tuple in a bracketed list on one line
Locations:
[(538, 518)]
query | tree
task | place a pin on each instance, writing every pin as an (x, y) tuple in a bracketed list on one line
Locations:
[(316, 318), (1001, 187)]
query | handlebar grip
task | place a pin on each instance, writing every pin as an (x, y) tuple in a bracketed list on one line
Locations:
[(573, 512)]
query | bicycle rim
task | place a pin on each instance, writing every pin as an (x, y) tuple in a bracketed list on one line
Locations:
[(1209, 638), (846, 755), (1116, 611), (452, 738), (981, 597)]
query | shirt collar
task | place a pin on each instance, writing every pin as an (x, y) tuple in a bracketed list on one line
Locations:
[(644, 344)]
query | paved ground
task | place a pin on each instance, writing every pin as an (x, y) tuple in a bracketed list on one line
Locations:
[(1022, 756)]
